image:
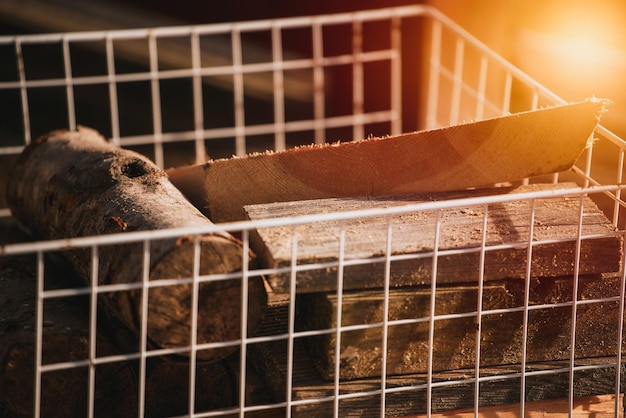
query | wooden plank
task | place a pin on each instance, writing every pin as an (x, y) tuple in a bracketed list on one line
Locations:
[(475, 154), (407, 394), (597, 406), (454, 343), (414, 233), (74, 183)]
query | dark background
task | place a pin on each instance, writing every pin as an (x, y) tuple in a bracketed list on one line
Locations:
[(575, 47)]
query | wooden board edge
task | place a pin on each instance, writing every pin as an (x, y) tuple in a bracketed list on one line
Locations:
[(586, 406)]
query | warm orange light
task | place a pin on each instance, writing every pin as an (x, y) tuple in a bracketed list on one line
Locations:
[(575, 58), (577, 49)]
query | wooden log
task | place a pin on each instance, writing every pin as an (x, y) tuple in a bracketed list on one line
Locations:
[(454, 344), (65, 338), (73, 183), (413, 234), (496, 150), (451, 390)]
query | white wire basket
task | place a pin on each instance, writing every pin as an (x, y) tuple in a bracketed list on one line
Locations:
[(181, 94)]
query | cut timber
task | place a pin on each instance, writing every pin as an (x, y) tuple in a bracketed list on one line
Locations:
[(556, 223), (600, 406), (314, 397), (470, 155), (73, 183), (454, 342)]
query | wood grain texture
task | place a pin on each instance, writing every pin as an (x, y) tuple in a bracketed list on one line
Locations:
[(598, 406), (413, 236), (452, 390), (454, 346), (74, 183), (470, 155)]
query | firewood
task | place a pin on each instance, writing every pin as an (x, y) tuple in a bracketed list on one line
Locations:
[(556, 220), (477, 154), (65, 337), (74, 183)]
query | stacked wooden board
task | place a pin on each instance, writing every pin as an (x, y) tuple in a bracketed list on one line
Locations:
[(466, 309)]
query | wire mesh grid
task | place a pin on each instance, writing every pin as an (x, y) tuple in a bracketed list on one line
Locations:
[(328, 344)]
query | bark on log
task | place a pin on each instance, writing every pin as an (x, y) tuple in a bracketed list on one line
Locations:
[(74, 183), (65, 338)]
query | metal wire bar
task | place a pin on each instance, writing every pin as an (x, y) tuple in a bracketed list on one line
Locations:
[(433, 306), (339, 315), (479, 308), (385, 323), (358, 130), (280, 142), (527, 279), (198, 107)]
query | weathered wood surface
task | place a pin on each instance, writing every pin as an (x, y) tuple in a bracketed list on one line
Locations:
[(73, 183), (600, 406), (454, 345), (414, 234), (453, 390), (475, 154)]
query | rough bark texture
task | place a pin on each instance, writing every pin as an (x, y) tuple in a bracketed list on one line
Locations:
[(65, 337), (73, 183), (64, 393)]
